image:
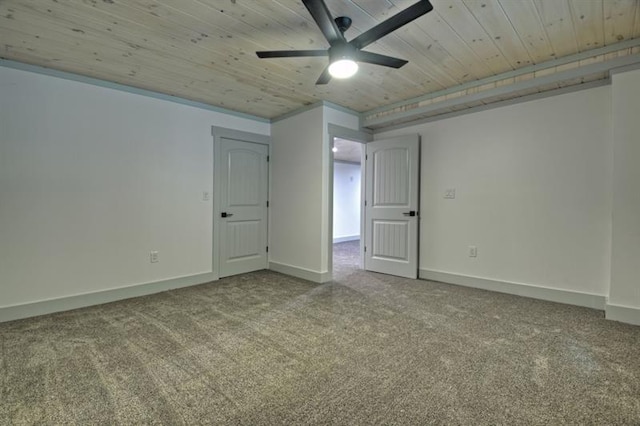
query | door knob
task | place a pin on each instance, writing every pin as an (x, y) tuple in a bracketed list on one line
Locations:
[(225, 214), (411, 213)]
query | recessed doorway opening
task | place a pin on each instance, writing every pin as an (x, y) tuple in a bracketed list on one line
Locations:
[(348, 180)]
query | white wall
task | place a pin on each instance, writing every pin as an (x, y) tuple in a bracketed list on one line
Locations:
[(346, 200), (625, 273), (92, 179), (301, 160), (296, 195), (532, 185)]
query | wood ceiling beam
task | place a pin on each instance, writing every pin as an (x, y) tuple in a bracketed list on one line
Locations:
[(511, 74), (370, 120)]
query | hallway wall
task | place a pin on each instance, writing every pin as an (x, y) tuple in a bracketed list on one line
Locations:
[(346, 201)]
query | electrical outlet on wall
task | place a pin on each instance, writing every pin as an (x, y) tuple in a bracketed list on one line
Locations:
[(450, 193), (473, 251), (153, 257)]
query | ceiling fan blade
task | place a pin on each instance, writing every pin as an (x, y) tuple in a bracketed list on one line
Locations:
[(376, 59), (320, 13), (291, 53), (382, 29), (325, 77)]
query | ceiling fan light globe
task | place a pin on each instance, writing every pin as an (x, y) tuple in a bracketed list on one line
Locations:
[(343, 68)]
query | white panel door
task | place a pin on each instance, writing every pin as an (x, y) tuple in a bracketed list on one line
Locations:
[(243, 206), (391, 212)]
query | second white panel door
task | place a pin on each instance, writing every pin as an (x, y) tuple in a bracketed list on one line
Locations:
[(391, 213)]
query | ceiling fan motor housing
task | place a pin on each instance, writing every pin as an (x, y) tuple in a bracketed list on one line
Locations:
[(342, 51), (343, 23)]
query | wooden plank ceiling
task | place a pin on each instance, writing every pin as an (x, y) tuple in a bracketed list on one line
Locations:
[(203, 50)]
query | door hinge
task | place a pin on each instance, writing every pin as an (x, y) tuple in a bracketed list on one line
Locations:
[(365, 202), (267, 249), (366, 156), (267, 204), (365, 249), (267, 158)]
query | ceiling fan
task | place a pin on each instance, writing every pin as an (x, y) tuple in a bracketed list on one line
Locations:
[(342, 54)]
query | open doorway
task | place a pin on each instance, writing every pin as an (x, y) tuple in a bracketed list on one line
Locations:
[(348, 191), (388, 238)]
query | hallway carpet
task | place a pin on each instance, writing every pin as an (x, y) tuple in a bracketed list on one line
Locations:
[(346, 258), (267, 349)]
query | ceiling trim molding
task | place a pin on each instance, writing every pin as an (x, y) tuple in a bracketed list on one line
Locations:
[(297, 111), (341, 108), (314, 106), (508, 102), (124, 88), (511, 74), (503, 90), (627, 68)]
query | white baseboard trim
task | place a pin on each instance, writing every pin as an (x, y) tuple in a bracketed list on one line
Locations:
[(622, 314), (305, 274), (33, 309), (568, 297), (345, 239)]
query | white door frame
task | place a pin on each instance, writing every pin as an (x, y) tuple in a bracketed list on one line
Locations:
[(218, 133), (362, 137)]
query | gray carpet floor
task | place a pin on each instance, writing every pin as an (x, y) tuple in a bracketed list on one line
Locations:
[(264, 348)]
